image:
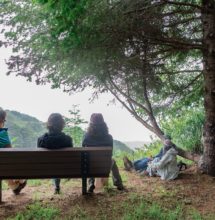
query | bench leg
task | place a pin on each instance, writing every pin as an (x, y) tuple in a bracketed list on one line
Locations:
[(84, 185), (0, 191)]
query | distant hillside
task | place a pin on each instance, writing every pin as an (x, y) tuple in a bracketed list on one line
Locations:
[(136, 144), (118, 145), (24, 129)]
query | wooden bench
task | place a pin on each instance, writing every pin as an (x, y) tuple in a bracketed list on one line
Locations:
[(39, 163)]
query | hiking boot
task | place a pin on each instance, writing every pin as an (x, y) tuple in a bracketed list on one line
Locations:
[(19, 188), (57, 191), (91, 189), (128, 165), (120, 187)]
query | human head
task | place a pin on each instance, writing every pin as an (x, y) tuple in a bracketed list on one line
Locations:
[(3, 115), (55, 122), (97, 125), (167, 140), (97, 118), (167, 143)]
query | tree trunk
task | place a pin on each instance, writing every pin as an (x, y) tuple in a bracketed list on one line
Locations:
[(188, 155), (208, 21)]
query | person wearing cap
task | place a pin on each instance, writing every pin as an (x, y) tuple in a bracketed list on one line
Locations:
[(98, 135), (55, 139), (166, 167), (15, 185)]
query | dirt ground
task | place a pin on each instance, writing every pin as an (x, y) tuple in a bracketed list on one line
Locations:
[(193, 189)]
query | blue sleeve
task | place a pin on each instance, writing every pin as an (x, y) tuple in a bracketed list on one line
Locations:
[(160, 154), (4, 139)]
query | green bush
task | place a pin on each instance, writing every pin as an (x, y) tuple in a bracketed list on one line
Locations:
[(186, 129)]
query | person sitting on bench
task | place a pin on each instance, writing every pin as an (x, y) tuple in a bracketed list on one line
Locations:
[(55, 139), (15, 185), (98, 135)]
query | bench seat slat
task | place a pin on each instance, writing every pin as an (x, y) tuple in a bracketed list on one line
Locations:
[(48, 176), (93, 158), (50, 167), (57, 171)]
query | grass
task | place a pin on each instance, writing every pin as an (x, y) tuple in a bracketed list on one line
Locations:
[(144, 210), (37, 211), (131, 206), (37, 182), (161, 203), (77, 213)]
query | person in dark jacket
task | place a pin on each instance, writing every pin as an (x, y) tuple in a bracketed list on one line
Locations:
[(55, 139), (98, 135)]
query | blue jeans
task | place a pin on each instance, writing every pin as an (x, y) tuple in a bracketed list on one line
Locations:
[(141, 164)]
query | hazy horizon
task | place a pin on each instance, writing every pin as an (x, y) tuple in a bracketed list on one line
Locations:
[(40, 101)]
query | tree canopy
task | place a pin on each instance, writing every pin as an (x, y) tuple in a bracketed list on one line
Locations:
[(148, 54), (130, 48)]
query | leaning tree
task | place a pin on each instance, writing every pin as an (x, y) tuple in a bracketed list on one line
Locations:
[(151, 55)]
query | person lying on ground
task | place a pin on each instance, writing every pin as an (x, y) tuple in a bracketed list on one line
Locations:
[(142, 164), (166, 167)]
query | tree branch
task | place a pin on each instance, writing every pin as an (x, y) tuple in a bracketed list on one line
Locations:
[(128, 97), (143, 122), (182, 4)]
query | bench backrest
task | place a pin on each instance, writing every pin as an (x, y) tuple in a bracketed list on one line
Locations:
[(42, 163)]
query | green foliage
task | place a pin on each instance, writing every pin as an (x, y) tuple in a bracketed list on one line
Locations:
[(150, 212), (73, 124), (76, 133), (78, 213), (146, 53), (110, 45), (149, 150), (35, 182), (4, 185), (137, 208), (186, 129), (37, 211)]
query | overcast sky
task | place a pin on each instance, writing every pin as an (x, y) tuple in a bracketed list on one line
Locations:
[(40, 101)]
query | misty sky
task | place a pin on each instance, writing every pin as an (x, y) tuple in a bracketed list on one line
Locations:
[(40, 101)]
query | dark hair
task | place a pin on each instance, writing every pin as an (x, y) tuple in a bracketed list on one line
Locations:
[(2, 115), (97, 126), (55, 122)]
